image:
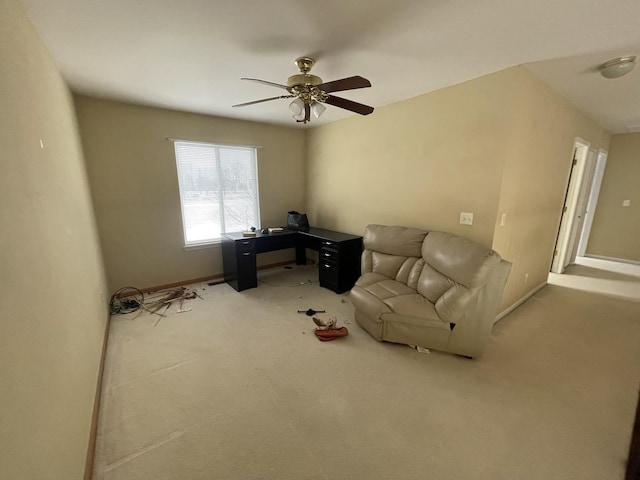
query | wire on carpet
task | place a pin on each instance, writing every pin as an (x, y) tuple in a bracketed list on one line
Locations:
[(121, 303)]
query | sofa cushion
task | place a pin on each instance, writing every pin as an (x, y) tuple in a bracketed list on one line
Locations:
[(368, 278), (367, 303), (462, 260), (388, 265), (401, 241), (432, 284), (372, 289), (413, 319), (389, 288), (413, 305), (410, 271)]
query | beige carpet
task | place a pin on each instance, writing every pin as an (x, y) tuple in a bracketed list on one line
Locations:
[(240, 388), (595, 275)]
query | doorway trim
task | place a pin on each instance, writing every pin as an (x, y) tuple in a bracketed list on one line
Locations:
[(569, 209)]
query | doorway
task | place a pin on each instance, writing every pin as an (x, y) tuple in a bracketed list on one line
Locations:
[(581, 207), (570, 221), (581, 199)]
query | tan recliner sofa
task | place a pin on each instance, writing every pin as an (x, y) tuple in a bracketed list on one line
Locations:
[(429, 289)]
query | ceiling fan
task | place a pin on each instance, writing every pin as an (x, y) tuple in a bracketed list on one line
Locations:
[(309, 92)]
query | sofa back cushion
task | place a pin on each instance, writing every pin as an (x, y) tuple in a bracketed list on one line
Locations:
[(432, 284), (462, 260), (403, 269), (394, 252), (400, 241)]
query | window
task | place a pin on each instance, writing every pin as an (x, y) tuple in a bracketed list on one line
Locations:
[(218, 190)]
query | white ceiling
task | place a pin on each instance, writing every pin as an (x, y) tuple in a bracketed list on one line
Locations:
[(190, 55)]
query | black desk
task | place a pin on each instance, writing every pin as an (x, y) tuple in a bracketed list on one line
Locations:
[(339, 256)]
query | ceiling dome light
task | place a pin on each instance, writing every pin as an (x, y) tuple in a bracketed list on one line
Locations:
[(617, 67)]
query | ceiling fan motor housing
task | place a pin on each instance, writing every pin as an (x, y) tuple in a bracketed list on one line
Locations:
[(303, 79)]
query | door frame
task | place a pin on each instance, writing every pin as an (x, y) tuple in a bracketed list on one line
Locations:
[(581, 208), (563, 245)]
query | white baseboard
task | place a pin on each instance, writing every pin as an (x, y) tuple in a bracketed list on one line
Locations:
[(613, 259), (520, 301)]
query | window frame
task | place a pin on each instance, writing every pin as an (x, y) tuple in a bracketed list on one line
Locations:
[(199, 244)]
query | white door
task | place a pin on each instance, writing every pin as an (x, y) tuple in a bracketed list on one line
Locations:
[(601, 163), (581, 209), (562, 252)]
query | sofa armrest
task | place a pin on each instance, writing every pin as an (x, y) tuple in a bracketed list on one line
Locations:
[(471, 332)]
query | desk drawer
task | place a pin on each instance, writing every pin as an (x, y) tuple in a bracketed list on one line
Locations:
[(329, 244), (327, 255), (246, 245), (246, 270), (328, 273)]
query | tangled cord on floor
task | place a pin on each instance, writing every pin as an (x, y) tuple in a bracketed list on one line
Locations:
[(121, 303)]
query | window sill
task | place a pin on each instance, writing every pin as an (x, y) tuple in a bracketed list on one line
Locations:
[(202, 246)]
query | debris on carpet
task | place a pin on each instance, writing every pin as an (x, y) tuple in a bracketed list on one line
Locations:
[(126, 300), (311, 312), (329, 330), (130, 299), (420, 349)]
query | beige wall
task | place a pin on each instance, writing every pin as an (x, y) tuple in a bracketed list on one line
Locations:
[(497, 144), (536, 173), (418, 162), (132, 170), (52, 319), (616, 229)]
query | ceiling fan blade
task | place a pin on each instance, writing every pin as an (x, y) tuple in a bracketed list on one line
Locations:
[(349, 105), (264, 82), (350, 83), (263, 100)]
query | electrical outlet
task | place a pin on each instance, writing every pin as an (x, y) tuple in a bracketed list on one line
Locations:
[(503, 219), (466, 218), (626, 203), (526, 277)]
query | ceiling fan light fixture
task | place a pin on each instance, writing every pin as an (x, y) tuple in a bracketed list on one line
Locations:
[(317, 109), (617, 67), (296, 107)]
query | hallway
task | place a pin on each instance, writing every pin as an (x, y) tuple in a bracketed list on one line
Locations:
[(616, 279)]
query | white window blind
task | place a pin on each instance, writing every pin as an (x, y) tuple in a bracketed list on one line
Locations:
[(218, 190)]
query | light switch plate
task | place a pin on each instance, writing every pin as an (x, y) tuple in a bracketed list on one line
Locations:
[(466, 218), (626, 203)]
